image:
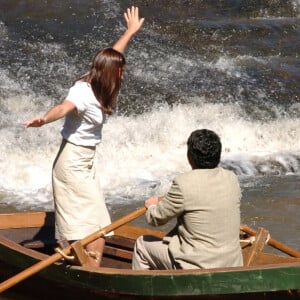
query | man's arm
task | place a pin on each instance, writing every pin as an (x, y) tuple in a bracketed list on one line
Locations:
[(160, 211)]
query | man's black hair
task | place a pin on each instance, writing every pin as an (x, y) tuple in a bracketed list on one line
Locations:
[(204, 149)]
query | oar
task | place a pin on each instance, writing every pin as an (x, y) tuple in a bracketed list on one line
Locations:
[(57, 256), (276, 244)]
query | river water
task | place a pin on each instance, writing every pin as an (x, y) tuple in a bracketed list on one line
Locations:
[(231, 66)]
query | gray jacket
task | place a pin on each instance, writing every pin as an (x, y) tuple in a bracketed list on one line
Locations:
[(206, 203)]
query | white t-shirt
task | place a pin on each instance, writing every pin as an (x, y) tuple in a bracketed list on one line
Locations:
[(83, 127)]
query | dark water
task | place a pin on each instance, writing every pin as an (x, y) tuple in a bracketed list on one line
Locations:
[(231, 66)]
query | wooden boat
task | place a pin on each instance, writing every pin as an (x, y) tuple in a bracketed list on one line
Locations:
[(26, 238)]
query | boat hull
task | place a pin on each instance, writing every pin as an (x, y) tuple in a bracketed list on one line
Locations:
[(268, 282), (271, 276)]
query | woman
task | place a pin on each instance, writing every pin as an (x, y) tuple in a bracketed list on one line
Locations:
[(79, 203)]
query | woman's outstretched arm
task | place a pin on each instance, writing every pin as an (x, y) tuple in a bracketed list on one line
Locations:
[(55, 113)]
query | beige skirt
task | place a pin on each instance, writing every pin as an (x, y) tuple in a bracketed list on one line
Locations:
[(80, 207)]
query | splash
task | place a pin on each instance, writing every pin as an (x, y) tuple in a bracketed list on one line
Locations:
[(140, 155)]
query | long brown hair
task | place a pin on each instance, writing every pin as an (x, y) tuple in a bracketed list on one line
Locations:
[(105, 77)]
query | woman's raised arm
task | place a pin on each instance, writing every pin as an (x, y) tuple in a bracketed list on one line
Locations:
[(134, 23)]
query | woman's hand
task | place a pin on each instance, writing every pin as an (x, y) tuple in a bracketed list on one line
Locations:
[(134, 23), (55, 113), (35, 122)]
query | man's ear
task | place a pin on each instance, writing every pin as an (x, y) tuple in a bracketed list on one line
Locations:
[(190, 160)]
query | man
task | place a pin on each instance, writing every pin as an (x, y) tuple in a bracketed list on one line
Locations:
[(206, 203)]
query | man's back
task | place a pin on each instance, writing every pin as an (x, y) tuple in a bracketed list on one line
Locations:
[(208, 229)]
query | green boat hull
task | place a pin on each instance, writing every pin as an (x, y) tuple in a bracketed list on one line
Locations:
[(268, 282)]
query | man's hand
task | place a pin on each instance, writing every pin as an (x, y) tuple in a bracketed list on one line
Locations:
[(152, 201)]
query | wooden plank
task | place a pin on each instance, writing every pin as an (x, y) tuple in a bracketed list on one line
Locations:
[(133, 232), (120, 242), (26, 219), (268, 258), (80, 254), (125, 254), (251, 252)]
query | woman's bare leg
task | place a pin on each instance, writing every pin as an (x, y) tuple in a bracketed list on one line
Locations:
[(95, 252)]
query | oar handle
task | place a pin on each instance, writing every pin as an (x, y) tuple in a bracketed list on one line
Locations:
[(116, 224), (276, 244), (57, 256)]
